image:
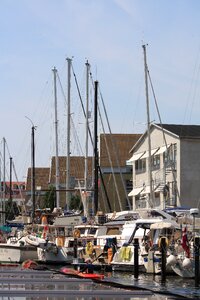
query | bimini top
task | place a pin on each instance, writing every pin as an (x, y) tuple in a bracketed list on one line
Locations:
[(164, 225)]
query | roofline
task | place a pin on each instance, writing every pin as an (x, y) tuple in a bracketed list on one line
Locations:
[(145, 133), (167, 131)]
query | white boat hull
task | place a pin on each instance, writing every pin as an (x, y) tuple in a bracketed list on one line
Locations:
[(16, 254), (55, 254), (184, 267), (125, 262)]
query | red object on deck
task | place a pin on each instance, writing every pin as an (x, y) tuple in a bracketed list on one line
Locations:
[(29, 264), (69, 271)]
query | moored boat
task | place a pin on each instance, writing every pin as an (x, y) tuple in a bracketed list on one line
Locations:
[(16, 251)]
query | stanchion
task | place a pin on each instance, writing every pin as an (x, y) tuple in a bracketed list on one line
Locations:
[(136, 260), (163, 258), (196, 259)]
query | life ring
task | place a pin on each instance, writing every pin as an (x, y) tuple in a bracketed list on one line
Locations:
[(166, 241), (89, 248), (76, 233)]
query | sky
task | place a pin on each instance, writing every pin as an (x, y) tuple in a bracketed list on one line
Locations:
[(38, 35)]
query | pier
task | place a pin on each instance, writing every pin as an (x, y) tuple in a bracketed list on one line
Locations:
[(50, 284)]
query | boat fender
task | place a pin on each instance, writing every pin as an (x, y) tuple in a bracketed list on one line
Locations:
[(171, 260), (186, 263), (76, 233), (166, 241), (110, 255), (89, 248)]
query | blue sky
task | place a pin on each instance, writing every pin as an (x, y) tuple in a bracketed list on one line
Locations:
[(37, 35)]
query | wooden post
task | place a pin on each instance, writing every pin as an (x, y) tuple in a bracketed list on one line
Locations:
[(163, 258), (75, 260), (196, 259), (136, 260)]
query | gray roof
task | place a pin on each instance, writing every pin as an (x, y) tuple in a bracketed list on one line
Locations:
[(183, 131)]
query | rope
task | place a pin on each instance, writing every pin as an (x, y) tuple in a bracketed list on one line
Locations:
[(164, 137)]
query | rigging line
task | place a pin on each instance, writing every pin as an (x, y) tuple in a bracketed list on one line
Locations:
[(114, 149), (110, 160), (6, 171), (190, 91), (20, 189), (75, 131), (164, 137), (194, 95), (108, 152), (84, 113), (14, 169), (76, 137), (91, 139)]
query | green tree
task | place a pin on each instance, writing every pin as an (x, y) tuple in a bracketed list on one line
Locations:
[(75, 203), (50, 198), (11, 210)]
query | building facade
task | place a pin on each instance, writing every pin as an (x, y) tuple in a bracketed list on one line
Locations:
[(174, 165), (115, 180), (117, 175)]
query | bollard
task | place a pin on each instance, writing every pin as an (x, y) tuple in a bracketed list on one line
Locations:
[(136, 260), (163, 258), (196, 259)]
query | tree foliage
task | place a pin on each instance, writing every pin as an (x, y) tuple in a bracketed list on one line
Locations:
[(50, 198), (75, 203)]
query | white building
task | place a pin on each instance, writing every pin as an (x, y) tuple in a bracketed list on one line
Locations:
[(175, 167)]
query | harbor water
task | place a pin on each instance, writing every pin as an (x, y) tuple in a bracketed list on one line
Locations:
[(49, 283)]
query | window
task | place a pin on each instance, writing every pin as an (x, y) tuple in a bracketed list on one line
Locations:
[(113, 231), (140, 166), (155, 162), (170, 156), (92, 231), (129, 185)]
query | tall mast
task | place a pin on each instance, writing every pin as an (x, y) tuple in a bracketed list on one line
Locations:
[(86, 126), (10, 197), (4, 182), (56, 141), (68, 194), (151, 197), (95, 150), (86, 141), (33, 169)]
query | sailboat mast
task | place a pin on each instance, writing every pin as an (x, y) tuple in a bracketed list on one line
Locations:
[(95, 150), (86, 126), (10, 179), (33, 169), (68, 194), (151, 197), (56, 141), (4, 183)]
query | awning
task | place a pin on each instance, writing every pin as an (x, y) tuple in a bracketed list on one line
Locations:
[(153, 151), (135, 191), (158, 189), (135, 157), (162, 149), (146, 190)]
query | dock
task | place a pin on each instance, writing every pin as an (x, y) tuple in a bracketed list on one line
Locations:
[(46, 284)]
